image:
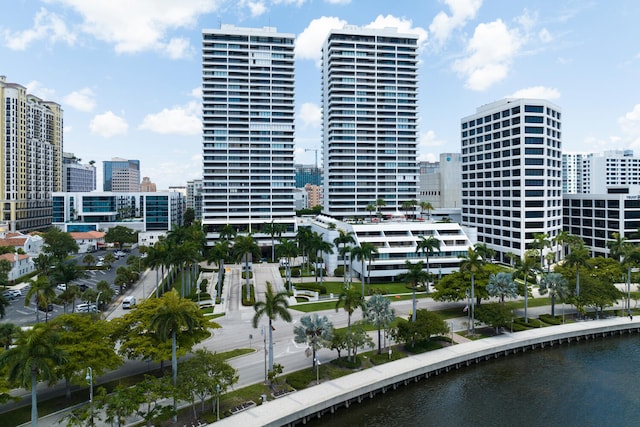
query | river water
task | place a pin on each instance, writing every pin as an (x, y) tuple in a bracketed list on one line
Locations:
[(594, 383)]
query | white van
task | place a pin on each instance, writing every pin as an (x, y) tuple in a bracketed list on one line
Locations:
[(128, 302)]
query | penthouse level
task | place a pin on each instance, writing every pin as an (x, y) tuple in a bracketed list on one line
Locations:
[(298, 408)]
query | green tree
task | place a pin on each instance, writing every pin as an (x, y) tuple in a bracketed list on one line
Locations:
[(501, 285), (88, 260), (275, 305), (243, 248), (379, 312), (426, 325), (371, 208), (177, 316), (42, 291), (365, 254), (84, 340), (577, 257), (426, 207), (495, 315), (68, 297), (118, 404), (541, 241), (414, 276), (58, 245), (523, 268), (346, 239), (120, 235), (33, 358), (189, 217), (149, 395), (8, 332), (218, 254), (380, 203), (562, 238), (5, 269), (556, 285), (315, 331), (287, 249), (66, 272), (472, 263), (617, 246), (350, 299), (428, 245), (273, 229)]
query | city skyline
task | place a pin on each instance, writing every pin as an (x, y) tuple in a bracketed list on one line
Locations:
[(128, 74)]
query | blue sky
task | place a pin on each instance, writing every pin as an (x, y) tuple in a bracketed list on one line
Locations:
[(127, 72)]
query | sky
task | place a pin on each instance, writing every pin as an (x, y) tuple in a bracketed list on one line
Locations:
[(128, 72)]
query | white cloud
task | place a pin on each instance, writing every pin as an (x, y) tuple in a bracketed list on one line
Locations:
[(461, 12), (309, 42), (108, 125), (630, 126), (337, 1), (489, 55), (545, 36), (181, 120), (256, 7), (293, 2), (537, 92), (178, 48), (81, 100), (34, 87), (46, 26), (168, 173), (426, 143), (403, 25), (196, 92), (140, 25), (310, 114)]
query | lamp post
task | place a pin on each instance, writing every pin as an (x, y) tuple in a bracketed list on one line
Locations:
[(218, 402), (264, 337), (89, 379), (97, 300), (317, 371), (468, 312)]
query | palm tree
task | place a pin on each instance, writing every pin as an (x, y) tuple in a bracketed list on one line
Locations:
[(577, 257), (218, 253), (345, 239), (350, 299), (275, 305), (562, 238), (304, 238), (273, 229), (174, 316), (8, 333), (541, 241), (556, 285), (315, 331), (630, 258), (426, 206), (617, 246), (157, 259), (523, 267), (227, 232), (287, 249), (33, 358), (243, 246), (379, 312), (407, 205), (414, 276), (43, 292), (380, 203), (428, 245), (371, 208), (365, 252), (472, 263), (502, 285), (3, 306), (322, 247)]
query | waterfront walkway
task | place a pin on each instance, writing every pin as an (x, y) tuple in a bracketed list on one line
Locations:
[(328, 396)]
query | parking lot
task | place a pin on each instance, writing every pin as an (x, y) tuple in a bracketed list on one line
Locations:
[(21, 315)]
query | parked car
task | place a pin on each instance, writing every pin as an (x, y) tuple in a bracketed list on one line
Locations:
[(62, 287), (83, 287), (8, 295), (86, 308), (48, 307), (129, 302), (119, 254), (16, 292), (100, 264)]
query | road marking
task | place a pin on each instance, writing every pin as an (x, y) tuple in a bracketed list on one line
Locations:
[(24, 312)]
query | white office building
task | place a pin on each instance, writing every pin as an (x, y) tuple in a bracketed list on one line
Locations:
[(511, 174), (610, 172), (248, 125), (370, 115)]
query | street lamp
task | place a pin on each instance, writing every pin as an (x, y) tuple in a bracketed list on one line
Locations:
[(89, 379), (264, 337), (218, 402), (97, 299), (317, 371)]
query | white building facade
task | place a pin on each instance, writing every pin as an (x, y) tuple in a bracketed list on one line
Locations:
[(370, 115), (248, 125), (511, 174)]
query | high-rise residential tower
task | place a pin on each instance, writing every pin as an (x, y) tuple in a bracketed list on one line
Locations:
[(121, 175), (77, 177), (248, 125), (370, 114), (31, 149), (511, 174)]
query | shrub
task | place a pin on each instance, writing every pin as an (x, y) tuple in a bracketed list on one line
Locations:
[(311, 287), (547, 318), (301, 379), (339, 272)]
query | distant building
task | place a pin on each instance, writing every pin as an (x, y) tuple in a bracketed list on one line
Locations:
[(21, 265), (610, 172), (314, 195), (441, 183), (194, 197), (146, 186), (81, 212), (511, 174), (88, 241), (31, 141), (76, 176), (121, 175), (308, 174)]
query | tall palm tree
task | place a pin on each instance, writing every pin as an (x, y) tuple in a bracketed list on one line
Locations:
[(33, 358), (3, 306), (243, 246), (426, 207), (414, 276), (523, 267), (556, 285), (345, 239), (630, 259), (350, 299), (157, 258), (287, 249), (365, 253), (227, 232), (577, 257), (315, 331), (8, 334), (501, 285), (617, 246), (304, 238), (562, 238), (322, 247), (275, 305), (174, 316), (379, 312), (42, 290), (218, 253), (541, 241), (380, 203), (371, 208), (472, 263), (428, 245)]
